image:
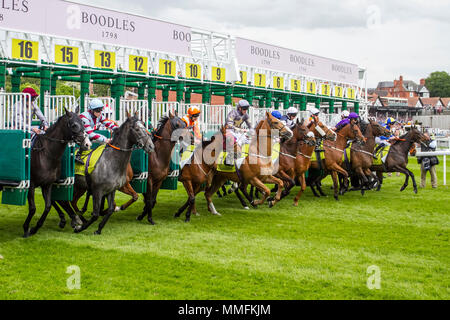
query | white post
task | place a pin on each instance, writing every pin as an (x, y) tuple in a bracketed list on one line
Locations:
[(445, 170)]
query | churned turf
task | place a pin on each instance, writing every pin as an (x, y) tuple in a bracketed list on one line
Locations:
[(320, 250)]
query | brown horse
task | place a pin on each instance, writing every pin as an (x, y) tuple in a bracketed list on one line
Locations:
[(164, 140), (397, 158), (361, 156), (257, 168), (333, 152), (200, 171)]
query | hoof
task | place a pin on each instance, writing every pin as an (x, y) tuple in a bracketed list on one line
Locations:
[(118, 209), (140, 218), (271, 204), (187, 220), (246, 208), (176, 216), (151, 222), (78, 229), (295, 204), (217, 214), (196, 214), (253, 204), (336, 198), (403, 188), (62, 224), (26, 235), (97, 233)]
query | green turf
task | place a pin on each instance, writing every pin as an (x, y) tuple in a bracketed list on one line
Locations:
[(320, 250)]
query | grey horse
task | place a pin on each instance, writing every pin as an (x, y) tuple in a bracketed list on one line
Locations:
[(110, 172)]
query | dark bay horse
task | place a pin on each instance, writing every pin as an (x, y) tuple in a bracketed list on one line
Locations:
[(361, 156), (46, 156), (164, 138), (397, 158), (110, 173), (257, 168)]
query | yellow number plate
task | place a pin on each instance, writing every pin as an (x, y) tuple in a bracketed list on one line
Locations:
[(193, 71), (243, 75), (66, 55), (278, 83), (339, 92), (351, 94), (138, 64), (260, 80), (25, 50), (218, 74), (105, 59), (326, 90), (311, 87), (295, 85), (167, 68)]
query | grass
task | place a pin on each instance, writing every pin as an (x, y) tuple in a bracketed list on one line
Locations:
[(320, 250)]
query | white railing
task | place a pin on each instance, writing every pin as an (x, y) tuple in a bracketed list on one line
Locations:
[(134, 106), (444, 153), (14, 113), (160, 109), (54, 106)]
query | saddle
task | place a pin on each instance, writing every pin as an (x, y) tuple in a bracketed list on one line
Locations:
[(90, 159)]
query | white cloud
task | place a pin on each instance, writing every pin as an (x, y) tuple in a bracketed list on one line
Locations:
[(411, 39)]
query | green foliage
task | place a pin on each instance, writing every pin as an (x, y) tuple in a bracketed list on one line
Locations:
[(67, 88), (320, 250), (438, 83), (101, 90), (28, 84)]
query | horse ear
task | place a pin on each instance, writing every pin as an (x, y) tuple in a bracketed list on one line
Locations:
[(171, 116), (267, 114), (128, 114), (67, 111), (77, 110), (303, 121)]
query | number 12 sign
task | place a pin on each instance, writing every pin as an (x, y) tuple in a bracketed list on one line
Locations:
[(138, 64)]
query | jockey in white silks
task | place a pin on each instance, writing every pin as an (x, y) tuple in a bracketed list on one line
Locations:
[(236, 118)]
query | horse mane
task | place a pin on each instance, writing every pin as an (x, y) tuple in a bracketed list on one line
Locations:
[(161, 123), (54, 125), (339, 129)]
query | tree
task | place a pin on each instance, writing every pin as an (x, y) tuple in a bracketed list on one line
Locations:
[(438, 83)]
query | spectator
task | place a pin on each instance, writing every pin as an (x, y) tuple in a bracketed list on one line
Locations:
[(428, 164)]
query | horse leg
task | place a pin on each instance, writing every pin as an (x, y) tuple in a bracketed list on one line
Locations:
[(128, 189), (300, 192), (364, 181), (380, 179), (86, 202), (191, 200), (406, 173), (334, 175), (111, 210), (313, 189), (147, 200), (97, 202), (413, 178), (280, 184), (155, 191), (62, 218), (31, 211), (65, 205), (188, 187), (265, 191), (216, 183), (241, 199), (47, 195)]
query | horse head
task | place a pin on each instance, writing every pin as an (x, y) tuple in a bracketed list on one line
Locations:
[(322, 131), (276, 124), (75, 130), (378, 130), (418, 137), (353, 132), (303, 134), (139, 135)]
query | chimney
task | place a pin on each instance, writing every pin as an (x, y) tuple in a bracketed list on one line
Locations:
[(422, 82)]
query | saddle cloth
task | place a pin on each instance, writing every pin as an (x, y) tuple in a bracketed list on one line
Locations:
[(187, 156), (222, 167), (90, 159), (381, 156)]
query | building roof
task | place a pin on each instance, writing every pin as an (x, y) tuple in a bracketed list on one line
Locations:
[(412, 102), (385, 84), (432, 102), (446, 102)]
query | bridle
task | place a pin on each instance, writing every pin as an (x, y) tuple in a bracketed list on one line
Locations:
[(140, 135)]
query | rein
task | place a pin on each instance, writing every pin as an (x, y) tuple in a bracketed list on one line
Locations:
[(119, 149)]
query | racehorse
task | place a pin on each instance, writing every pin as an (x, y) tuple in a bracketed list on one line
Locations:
[(110, 172), (200, 171), (361, 156), (46, 155), (397, 158), (333, 152), (257, 168), (159, 161)]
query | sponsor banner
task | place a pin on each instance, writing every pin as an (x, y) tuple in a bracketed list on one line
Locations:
[(67, 19), (261, 55)]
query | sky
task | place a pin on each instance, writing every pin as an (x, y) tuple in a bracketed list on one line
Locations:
[(388, 37)]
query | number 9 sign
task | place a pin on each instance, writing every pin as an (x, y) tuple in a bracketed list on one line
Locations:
[(218, 74)]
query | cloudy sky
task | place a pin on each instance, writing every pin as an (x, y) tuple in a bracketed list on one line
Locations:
[(388, 37)]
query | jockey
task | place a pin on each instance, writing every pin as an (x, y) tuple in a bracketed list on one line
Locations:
[(314, 115), (349, 119), (92, 119), (35, 111), (191, 120), (383, 141), (276, 114), (289, 119), (236, 118)]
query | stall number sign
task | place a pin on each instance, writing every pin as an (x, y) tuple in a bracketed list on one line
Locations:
[(339, 92), (218, 74), (351, 94), (243, 76), (167, 68), (278, 83), (105, 59), (193, 71), (295, 85), (260, 80), (66, 55), (138, 64), (311, 87), (326, 90), (25, 50)]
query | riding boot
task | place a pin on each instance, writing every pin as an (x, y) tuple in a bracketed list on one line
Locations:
[(229, 159), (78, 157), (377, 149)]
